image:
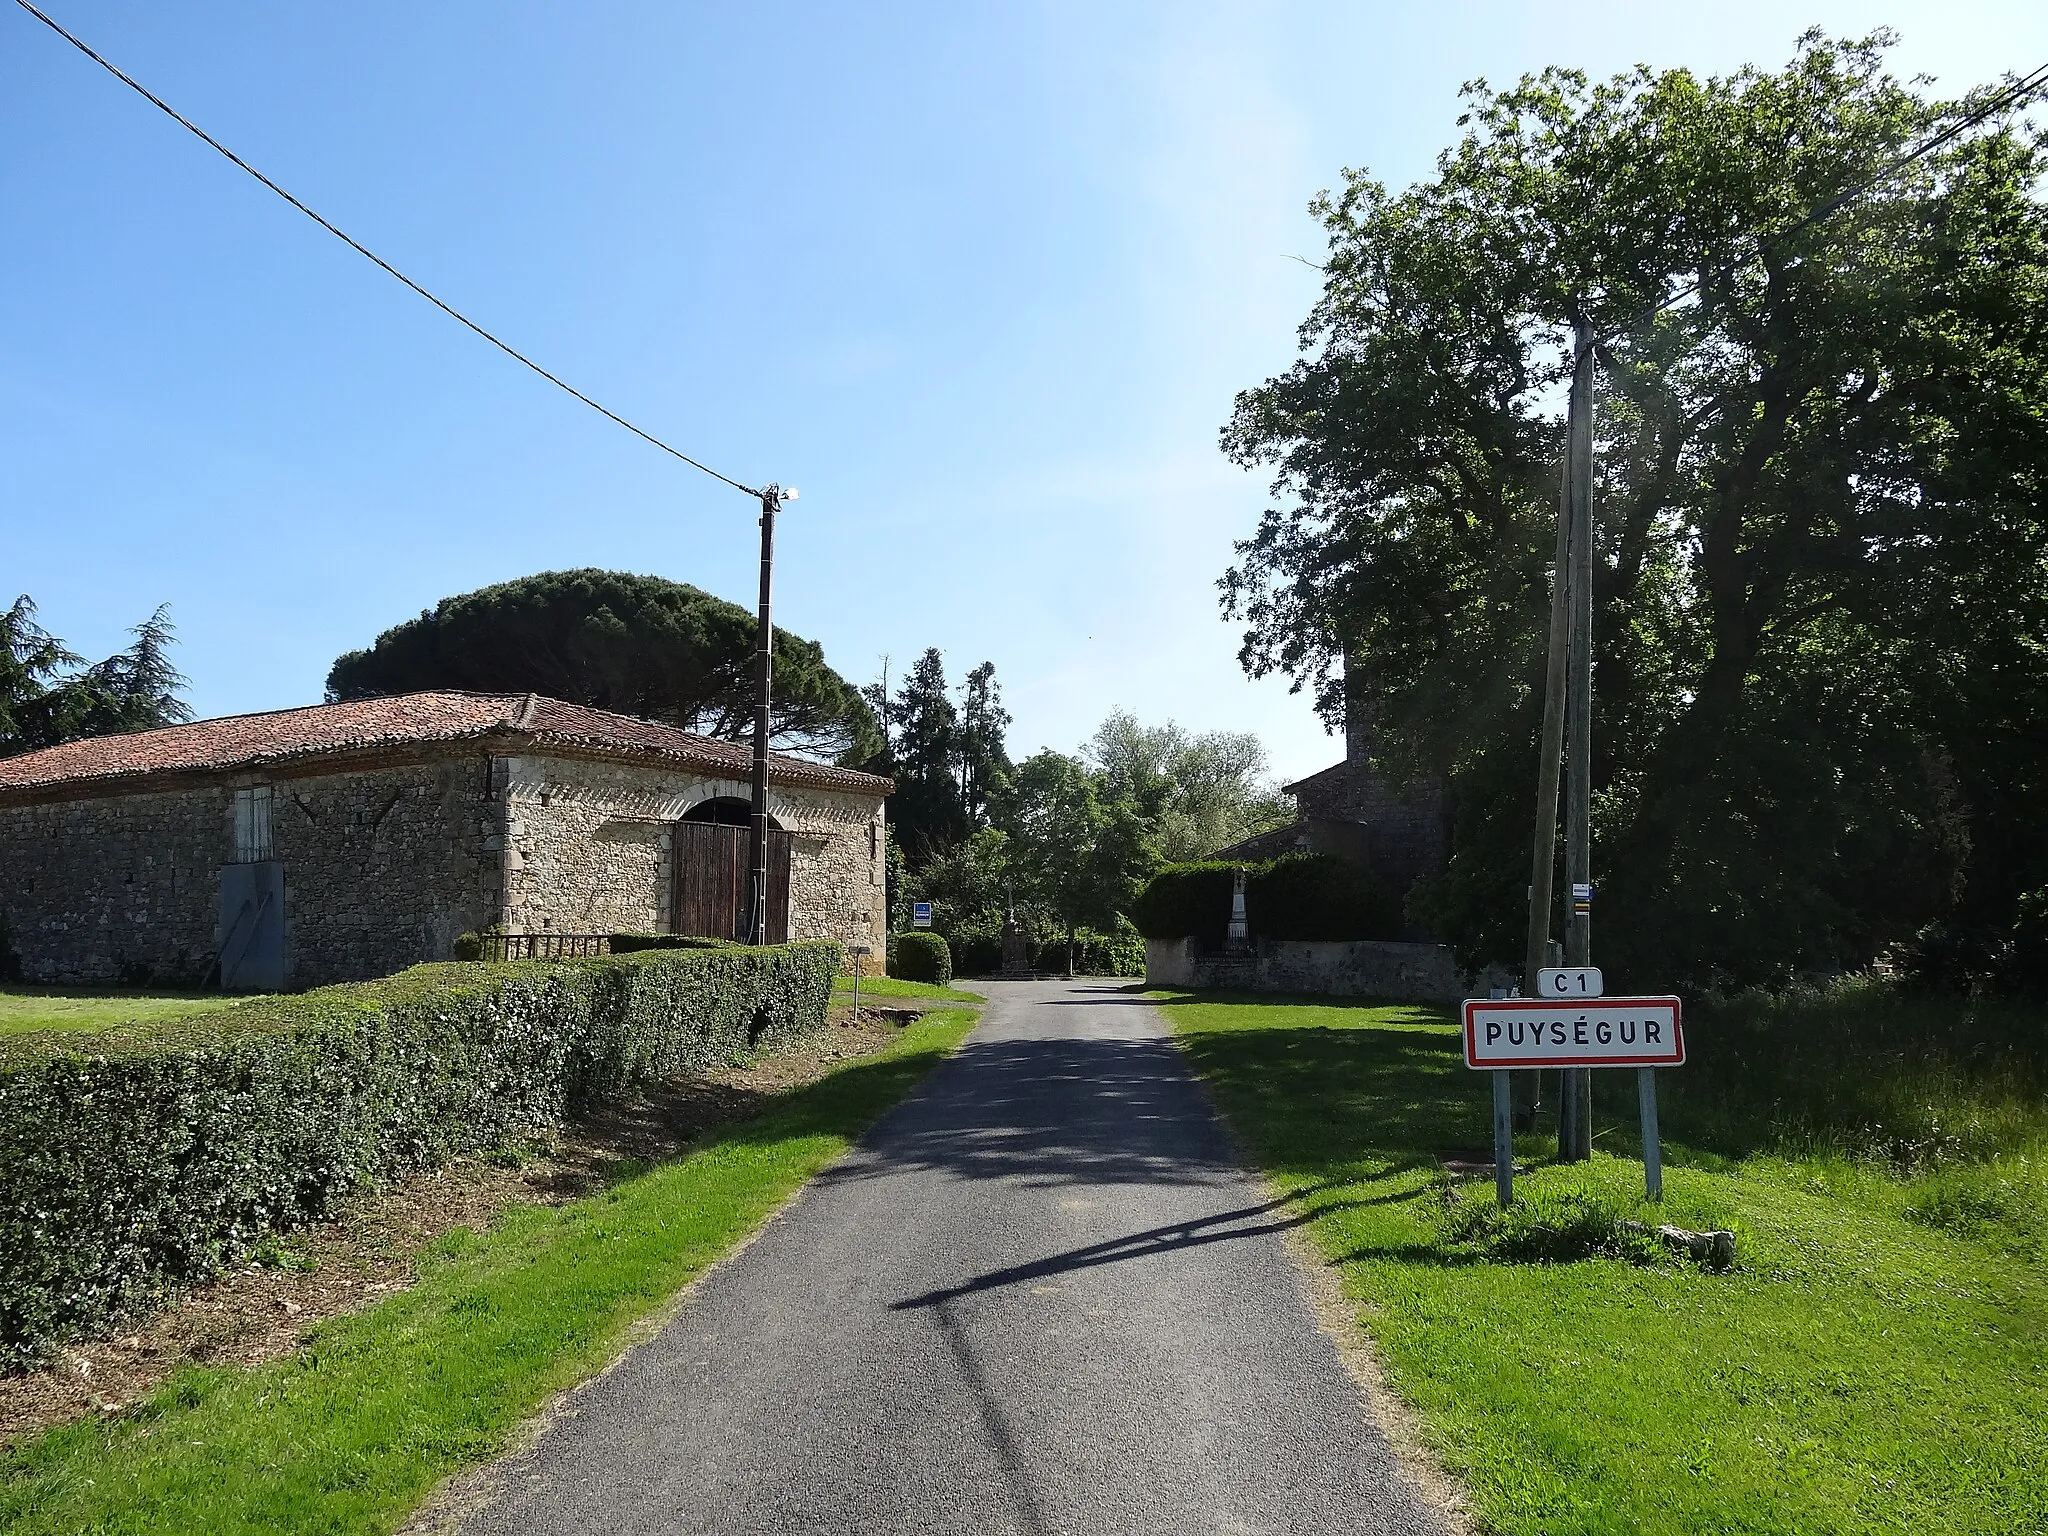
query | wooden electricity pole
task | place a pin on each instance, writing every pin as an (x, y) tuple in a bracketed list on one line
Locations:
[(1575, 1110), (1567, 710), (764, 679), (1549, 767)]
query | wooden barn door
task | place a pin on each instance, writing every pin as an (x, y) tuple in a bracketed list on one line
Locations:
[(711, 881)]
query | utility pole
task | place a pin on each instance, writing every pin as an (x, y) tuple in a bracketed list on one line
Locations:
[(772, 497), (1575, 1114), (1549, 768)]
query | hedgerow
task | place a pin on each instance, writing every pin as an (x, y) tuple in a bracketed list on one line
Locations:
[(137, 1160)]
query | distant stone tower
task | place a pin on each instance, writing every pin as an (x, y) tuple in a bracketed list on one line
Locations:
[(1350, 809)]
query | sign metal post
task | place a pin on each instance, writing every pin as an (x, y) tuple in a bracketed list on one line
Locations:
[(1504, 1138), (860, 951), (1653, 1151), (1576, 1034)]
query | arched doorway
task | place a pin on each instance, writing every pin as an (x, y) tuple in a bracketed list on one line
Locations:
[(712, 847)]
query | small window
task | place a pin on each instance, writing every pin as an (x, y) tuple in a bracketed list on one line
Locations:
[(252, 824)]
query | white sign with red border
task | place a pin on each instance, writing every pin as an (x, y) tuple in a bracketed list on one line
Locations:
[(1541, 1032)]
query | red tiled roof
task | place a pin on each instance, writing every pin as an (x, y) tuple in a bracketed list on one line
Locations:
[(288, 735)]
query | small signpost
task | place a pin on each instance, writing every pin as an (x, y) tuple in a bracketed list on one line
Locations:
[(1572, 1025), (859, 952), (1569, 981), (921, 915)]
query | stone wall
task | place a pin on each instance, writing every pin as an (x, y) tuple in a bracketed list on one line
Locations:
[(589, 849), (382, 867), (385, 866), (115, 889), (1405, 837), (1362, 968)]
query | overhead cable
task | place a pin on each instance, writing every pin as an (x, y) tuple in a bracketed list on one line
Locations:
[(349, 240)]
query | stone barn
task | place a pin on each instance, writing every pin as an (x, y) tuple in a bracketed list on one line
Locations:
[(350, 840)]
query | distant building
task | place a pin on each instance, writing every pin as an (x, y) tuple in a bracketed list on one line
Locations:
[(350, 840), (1352, 811)]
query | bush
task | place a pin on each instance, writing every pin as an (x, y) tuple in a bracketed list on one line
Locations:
[(139, 1159), (922, 957), (1187, 900), (977, 950), (1108, 954)]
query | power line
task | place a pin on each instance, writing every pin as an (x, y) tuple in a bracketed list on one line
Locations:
[(349, 240), (2011, 96)]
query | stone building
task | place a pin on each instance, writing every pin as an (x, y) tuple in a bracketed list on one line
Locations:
[(342, 841), (1353, 811)]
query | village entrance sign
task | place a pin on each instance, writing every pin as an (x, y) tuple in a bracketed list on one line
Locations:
[(1572, 1026)]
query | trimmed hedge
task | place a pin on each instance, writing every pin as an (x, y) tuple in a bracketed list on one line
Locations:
[(922, 956), (1315, 896), (1296, 896), (140, 1159), (1187, 900), (633, 943)]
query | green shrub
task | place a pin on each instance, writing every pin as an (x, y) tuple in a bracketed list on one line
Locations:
[(146, 1157), (1109, 954), (1187, 900), (468, 946), (922, 957), (977, 949)]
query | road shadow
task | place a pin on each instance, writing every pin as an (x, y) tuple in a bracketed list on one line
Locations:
[(1054, 1112)]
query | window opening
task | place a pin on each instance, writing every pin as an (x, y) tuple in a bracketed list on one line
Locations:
[(252, 824)]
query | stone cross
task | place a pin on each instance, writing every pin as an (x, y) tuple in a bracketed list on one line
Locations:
[(1240, 940)]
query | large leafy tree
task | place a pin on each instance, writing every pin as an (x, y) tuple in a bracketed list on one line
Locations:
[(1822, 582), (49, 695), (1073, 853), (1197, 790), (640, 645)]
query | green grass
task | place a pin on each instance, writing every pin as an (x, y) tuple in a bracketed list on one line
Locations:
[(1876, 1361), (25, 1010), (352, 1433), (890, 986)]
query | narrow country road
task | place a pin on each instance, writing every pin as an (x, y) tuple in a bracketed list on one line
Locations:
[(1041, 1297)]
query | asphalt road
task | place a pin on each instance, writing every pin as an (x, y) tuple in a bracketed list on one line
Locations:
[(1042, 1296)]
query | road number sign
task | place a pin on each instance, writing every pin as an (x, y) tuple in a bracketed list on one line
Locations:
[(921, 915), (1603, 1032), (1569, 981)]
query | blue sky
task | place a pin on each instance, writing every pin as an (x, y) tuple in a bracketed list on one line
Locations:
[(980, 280)]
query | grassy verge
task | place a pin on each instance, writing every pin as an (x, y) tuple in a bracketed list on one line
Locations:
[(890, 986), (1869, 1365), (24, 1010), (355, 1431)]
